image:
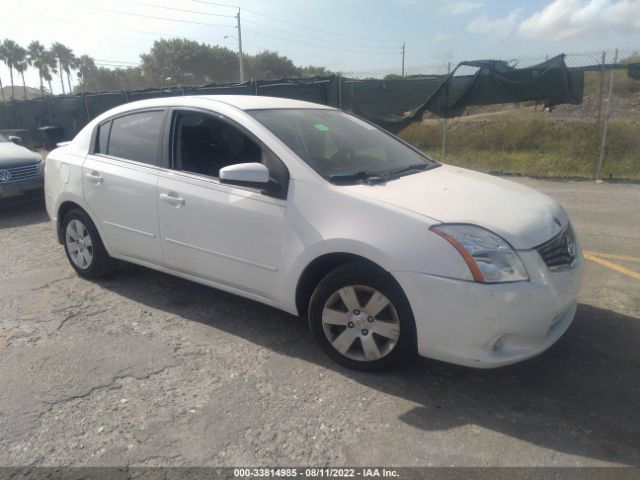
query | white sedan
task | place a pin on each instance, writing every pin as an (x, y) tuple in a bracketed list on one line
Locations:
[(323, 215)]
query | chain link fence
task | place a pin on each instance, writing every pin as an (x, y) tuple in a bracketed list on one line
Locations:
[(600, 138)]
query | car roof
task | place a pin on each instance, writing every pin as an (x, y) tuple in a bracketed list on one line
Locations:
[(241, 102), (254, 102)]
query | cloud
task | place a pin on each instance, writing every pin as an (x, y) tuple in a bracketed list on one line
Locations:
[(497, 28), (461, 7), (569, 19)]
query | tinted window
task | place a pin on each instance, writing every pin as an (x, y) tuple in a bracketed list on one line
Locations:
[(204, 144), (135, 137), (103, 137), (334, 143)]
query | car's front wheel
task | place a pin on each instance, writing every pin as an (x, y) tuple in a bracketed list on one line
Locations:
[(84, 247), (361, 318)]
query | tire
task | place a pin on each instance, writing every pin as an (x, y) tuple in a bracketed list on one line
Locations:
[(377, 339), (89, 258)]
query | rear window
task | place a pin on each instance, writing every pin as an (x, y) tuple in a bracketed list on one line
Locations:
[(136, 136)]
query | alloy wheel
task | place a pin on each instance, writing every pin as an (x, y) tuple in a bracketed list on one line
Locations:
[(79, 244), (361, 323)]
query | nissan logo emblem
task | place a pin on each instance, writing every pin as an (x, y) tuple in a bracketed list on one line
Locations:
[(5, 175), (571, 246)]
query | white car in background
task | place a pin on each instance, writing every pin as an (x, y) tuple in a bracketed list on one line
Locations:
[(323, 215)]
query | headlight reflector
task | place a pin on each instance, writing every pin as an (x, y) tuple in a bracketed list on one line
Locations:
[(490, 258)]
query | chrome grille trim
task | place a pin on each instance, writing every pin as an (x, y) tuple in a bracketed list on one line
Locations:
[(556, 253), (21, 174)]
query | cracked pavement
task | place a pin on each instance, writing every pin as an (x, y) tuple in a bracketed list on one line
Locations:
[(144, 369)]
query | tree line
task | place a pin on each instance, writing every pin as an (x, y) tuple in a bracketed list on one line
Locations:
[(169, 62)]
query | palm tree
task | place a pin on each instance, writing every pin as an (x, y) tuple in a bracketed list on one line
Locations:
[(52, 68), (37, 58), (10, 54), (71, 64), (21, 66), (61, 53), (86, 65), (2, 60)]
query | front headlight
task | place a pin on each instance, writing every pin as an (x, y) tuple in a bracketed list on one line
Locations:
[(490, 258), (41, 166)]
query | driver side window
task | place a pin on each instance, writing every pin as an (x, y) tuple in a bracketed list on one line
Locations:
[(204, 144)]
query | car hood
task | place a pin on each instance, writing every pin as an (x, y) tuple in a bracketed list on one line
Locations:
[(521, 215), (12, 155)]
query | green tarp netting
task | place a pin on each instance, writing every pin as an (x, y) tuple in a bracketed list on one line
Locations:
[(392, 104)]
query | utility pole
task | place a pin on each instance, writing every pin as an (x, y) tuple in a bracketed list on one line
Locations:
[(240, 48), (444, 123), (603, 143), (403, 59)]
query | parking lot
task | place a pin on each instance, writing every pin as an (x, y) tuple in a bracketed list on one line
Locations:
[(145, 369)]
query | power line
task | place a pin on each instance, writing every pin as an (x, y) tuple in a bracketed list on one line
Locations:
[(116, 61), (157, 18), (336, 42), (216, 4), (306, 27), (320, 46), (179, 9)]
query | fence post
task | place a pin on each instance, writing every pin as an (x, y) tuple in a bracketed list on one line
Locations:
[(599, 116), (444, 126), (46, 104), (15, 113), (86, 106), (603, 143)]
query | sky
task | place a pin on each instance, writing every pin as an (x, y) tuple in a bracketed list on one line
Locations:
[(343, 35)]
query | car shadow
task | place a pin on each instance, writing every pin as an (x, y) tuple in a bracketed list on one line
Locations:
[(581, 397), (19, 212)]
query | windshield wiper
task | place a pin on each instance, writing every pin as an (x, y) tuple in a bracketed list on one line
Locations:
[(416, 167), (363, 175)]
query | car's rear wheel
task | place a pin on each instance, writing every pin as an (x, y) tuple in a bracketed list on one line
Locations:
[(361, 318), (84, 247)]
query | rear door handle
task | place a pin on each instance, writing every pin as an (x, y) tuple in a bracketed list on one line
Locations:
[(172, 198), (94, 177)]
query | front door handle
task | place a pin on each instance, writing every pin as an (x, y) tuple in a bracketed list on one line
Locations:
[(94, 177), (172, 198)]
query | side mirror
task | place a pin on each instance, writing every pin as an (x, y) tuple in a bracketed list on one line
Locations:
[(15, 139), (245, 174)]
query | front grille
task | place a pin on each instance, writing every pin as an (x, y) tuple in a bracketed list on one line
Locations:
[(19, 174), (560, 251)]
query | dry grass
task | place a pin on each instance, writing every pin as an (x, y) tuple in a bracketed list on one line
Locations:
[(531, 143)]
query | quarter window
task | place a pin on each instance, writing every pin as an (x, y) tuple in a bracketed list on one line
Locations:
[(135, 137), (103, 137)]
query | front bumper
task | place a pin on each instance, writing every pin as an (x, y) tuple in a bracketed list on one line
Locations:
[(26, 187), (485, 326)]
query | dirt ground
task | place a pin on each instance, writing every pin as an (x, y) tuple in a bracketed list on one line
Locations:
[(146, 369)]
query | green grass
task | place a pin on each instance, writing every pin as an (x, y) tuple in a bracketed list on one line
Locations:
[(534, 144)]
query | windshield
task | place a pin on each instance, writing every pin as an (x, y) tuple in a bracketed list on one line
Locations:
[(340, 146)]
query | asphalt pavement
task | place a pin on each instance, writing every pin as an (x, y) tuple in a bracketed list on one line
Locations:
[(143, 368)]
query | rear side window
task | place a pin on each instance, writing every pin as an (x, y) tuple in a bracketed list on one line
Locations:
[(136, 136)]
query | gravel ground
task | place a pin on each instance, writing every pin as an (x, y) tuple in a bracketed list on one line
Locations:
[(146, 369)]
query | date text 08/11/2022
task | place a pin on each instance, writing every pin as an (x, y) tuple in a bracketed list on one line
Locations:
[(324, 472)]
